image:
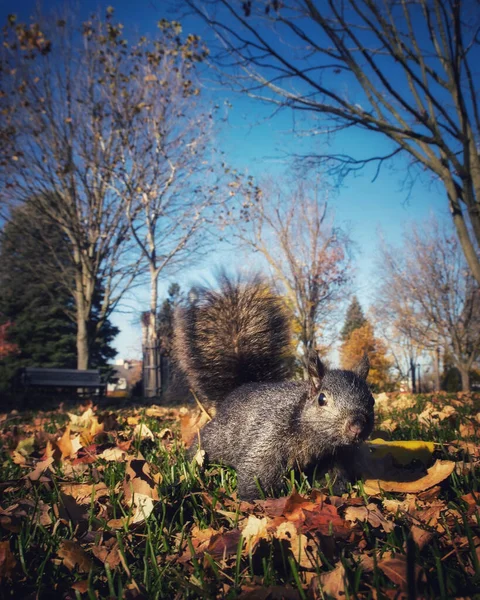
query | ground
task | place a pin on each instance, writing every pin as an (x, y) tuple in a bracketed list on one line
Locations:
[(100, 502)]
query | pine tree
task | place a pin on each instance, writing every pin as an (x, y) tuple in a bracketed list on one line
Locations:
[(36, 304), (165, 318), (353, 320)]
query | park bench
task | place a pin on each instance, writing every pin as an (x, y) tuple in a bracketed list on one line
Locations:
[(63, 378)]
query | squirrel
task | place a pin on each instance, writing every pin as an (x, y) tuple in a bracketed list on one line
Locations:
[(234, 346)]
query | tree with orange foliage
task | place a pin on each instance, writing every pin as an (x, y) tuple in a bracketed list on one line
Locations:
[(6, 347), (363, 341)]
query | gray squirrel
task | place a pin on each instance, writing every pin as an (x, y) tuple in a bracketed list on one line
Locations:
[(234, 346)]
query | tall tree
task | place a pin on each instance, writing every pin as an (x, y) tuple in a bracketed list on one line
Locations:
[(168, 177), (66, 111), (353, 320), (403, 70), (35, 302), (307, 254), (165, 318), (436, 300)]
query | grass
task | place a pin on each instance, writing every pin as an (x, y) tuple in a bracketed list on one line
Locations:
[(57, 545)]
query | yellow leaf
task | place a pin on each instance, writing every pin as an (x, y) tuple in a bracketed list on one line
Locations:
[(403, 452)]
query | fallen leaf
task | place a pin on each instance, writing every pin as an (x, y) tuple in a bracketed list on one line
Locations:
[(431, 414), (305, 551), (190, 426), (403, 452), (83, 493), (65, 443), (435, 474), (40, 469), (7, 561), (143, 432), (468, 429), (254, 531), (26, 446), (371, 514), (395, 569), (81, 586), (333, 582), (108, 553), (420, 536), (74, 556), (140, 489)]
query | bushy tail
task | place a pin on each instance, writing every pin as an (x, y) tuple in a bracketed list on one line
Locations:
[(238, 334)]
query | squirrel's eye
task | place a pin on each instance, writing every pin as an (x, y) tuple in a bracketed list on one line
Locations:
[(322, 400)]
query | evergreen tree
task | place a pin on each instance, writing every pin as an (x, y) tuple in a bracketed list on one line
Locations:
[(165, 318), (353, 320), (36, 304)]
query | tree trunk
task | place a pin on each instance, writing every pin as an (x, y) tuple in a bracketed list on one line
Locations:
[(463, 233), (82, 320), (465, 374), (154, 388), (82, 342)]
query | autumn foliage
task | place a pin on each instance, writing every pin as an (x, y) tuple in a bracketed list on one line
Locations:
[(6, 347), (363, 341)]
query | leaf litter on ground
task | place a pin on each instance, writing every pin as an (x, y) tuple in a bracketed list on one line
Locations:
[(109, 505)]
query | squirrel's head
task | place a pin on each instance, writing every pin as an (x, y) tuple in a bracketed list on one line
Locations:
[(340, 402)]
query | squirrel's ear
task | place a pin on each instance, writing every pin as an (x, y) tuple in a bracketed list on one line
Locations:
[(316, 370), (363, 367)]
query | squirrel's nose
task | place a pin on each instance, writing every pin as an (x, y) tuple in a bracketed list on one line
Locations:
[(355, 428)]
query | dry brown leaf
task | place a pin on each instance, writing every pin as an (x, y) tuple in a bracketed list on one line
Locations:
[(18, 459), (222, 545), (190, 426), (468, 429), (83, 492), (108, 553), (395, 506), (435, 474), (65, 443), (140, 489), (81, 586), (74, 557), (40, 469), (431, 414), (7, 561), (305, 551), (420, 536), (395, 569), (143, 432), (388, 425), (333, 582), (254, 531), (371, 514)]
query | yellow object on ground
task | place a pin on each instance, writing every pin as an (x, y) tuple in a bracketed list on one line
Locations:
[(403, 452)]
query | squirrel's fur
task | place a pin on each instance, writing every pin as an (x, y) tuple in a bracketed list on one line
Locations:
[(234, 347)]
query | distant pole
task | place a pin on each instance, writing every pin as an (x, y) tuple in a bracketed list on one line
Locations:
[(412, 371), (437, 368)]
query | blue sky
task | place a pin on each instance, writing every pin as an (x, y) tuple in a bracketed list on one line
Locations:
[(260, 145)]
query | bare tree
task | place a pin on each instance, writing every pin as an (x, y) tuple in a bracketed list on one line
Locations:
[(435, 300), (167, 178), (404, 69), (78, 113), (307, 254)]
